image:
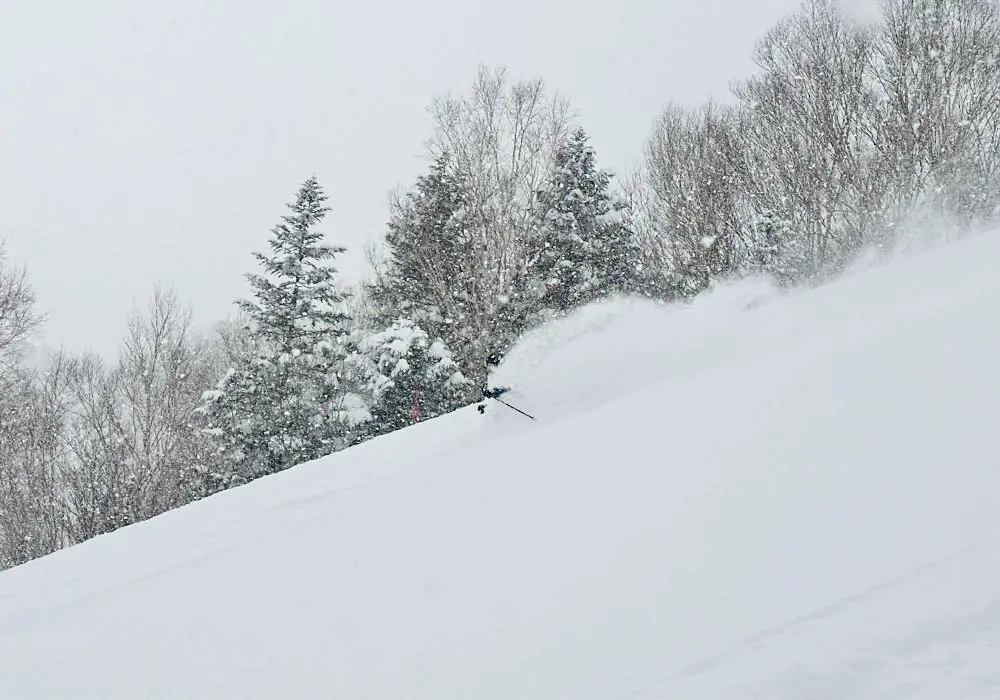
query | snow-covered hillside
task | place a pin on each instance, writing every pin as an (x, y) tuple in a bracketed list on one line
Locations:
[(755, 496)]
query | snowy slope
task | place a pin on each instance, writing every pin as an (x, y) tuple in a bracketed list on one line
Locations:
[(756, 496)]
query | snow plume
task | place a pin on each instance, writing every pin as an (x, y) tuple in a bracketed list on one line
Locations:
[(924, 228), (646, 339)]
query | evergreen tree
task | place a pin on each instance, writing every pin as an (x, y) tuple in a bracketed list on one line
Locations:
[(583, 248), (284, 402), (773, 238), (408, 377), (297, 300), (427, 275), (430, 274)]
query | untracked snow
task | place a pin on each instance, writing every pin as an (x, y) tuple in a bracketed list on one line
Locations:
[(757, 495)]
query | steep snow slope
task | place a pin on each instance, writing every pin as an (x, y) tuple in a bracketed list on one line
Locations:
[(755, 496)]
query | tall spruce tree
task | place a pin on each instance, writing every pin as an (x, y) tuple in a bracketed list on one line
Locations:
[(427, 272), (284, 402), (582, 248), (430, 278), (296, 301)]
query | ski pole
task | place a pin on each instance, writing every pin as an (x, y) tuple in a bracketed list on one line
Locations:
[(515, 408)]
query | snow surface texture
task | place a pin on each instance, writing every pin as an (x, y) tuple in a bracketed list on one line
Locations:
[(753, 496)]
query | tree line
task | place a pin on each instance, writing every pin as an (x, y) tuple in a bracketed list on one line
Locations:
[(846, 136)]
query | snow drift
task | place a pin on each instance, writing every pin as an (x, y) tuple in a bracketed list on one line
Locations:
[(754, 495)]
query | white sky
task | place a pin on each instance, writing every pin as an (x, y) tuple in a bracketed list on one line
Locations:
[(144, 142)]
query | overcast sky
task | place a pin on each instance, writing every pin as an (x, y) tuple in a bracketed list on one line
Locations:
[(159, 141)]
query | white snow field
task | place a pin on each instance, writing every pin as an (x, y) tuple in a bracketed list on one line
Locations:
[(754, 496)]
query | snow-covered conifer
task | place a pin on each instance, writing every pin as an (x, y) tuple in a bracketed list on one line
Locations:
[(583, 247), (427, 275), (283, 401), (408, 376), (432, 277)]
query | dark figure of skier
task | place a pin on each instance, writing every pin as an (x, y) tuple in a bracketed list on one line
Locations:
[(494, 393), (492, 361)]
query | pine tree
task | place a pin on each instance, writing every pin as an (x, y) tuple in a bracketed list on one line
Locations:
[(582, 248), (283, 402)]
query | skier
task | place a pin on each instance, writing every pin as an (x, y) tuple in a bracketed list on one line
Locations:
[(489, 393), (492, 360)]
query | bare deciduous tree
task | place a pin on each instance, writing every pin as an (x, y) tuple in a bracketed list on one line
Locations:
[(805, 134), (18, 317), (693, 193), (501, 138), (937, 65), (845, 131), (30, 416), (132, 436), (32, 456)]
